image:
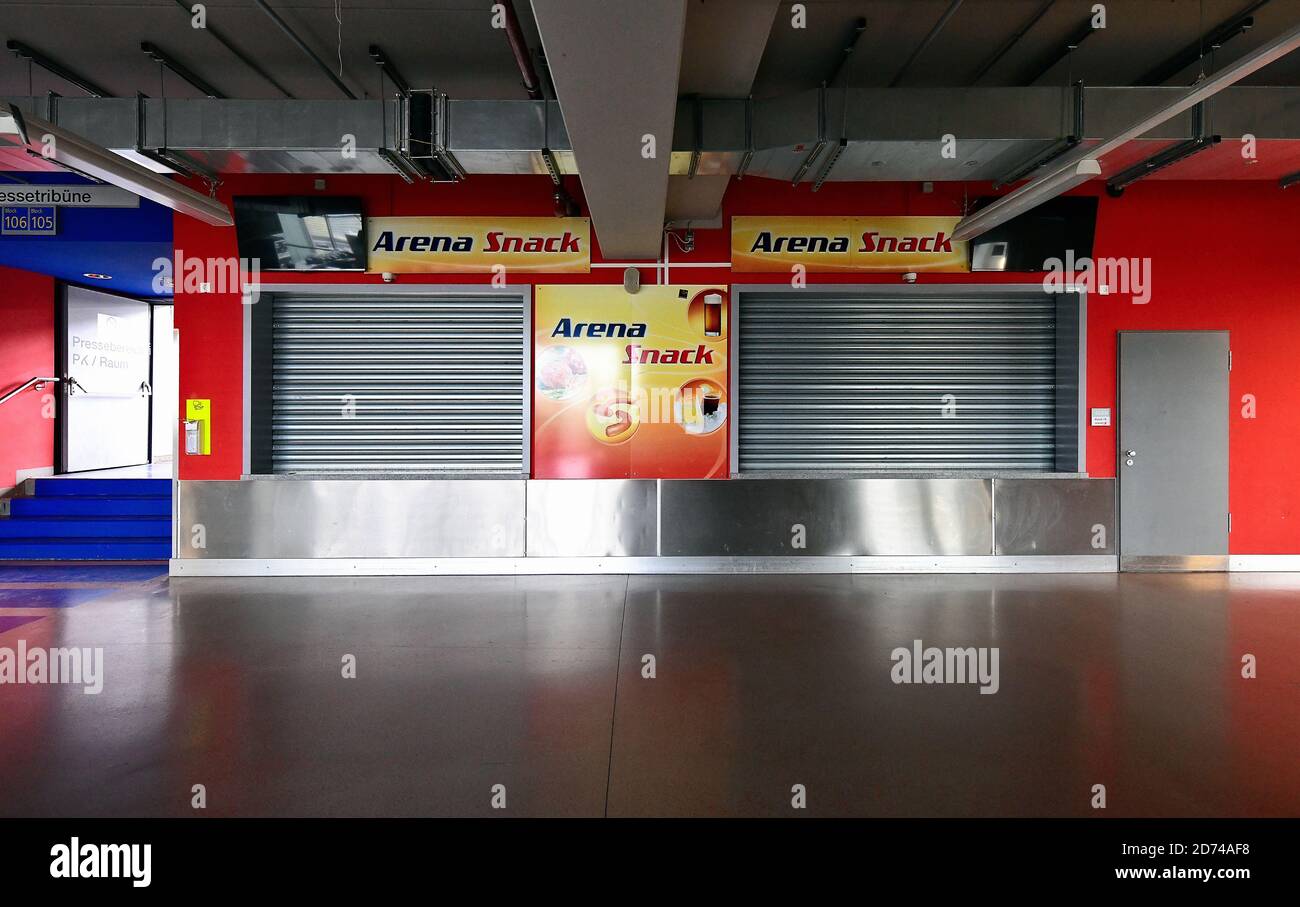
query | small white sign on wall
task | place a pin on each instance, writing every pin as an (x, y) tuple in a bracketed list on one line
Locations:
[(1100, 417)]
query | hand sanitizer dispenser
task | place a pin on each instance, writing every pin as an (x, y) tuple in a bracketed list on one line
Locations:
[(198, 427)]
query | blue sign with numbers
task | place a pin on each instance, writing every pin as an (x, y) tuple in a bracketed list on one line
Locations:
[(34, 220)]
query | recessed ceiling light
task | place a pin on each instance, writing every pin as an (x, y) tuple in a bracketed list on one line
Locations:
[(93, 276)]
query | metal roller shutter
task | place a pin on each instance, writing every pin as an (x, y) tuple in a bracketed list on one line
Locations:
[(857, 381), (436, 384)]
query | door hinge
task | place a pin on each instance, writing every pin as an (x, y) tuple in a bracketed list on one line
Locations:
[(1229, 360), (1230, 521)]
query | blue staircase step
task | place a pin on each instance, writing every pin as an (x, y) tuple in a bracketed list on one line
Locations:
[(84, 549), (61, 527), (72, 519), (117, 488), (60, 505)]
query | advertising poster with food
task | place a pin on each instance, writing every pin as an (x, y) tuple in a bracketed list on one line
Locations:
[(630, 385)]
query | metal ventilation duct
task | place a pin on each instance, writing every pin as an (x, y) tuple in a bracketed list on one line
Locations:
[(891, 134)]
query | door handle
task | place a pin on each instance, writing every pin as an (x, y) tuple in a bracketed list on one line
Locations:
[(1130, 453)]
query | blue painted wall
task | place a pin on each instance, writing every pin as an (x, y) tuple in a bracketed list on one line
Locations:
[(120, 242)]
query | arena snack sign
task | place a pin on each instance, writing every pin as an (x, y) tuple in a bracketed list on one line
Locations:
[(630, 385), (897, 244), (451, 245)]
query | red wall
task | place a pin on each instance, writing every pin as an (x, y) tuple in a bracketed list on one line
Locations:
[(26, 351), (1223, 257)]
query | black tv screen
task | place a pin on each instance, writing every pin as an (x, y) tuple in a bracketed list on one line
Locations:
[(1025, 243), (301, 233)]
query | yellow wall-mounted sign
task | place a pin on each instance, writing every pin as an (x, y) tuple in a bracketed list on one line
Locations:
[(459, 245), (198, 427), (892, 244)]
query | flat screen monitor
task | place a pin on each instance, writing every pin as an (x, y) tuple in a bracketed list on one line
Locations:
[(301, 233), (1026, 243)]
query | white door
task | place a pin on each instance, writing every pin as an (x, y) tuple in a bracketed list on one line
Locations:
[(106, 381)]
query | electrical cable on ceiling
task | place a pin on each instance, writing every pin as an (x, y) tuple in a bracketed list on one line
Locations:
[(848, 87), (338, 17), (685, 244), (1200, 27)]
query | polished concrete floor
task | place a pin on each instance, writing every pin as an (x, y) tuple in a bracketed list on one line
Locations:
[(760, 683)]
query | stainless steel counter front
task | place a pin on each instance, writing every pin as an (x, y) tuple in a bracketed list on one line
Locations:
[(833, 517), (645, 525), (327, 518)]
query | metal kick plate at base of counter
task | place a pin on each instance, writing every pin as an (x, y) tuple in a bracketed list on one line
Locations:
[(650, 525)]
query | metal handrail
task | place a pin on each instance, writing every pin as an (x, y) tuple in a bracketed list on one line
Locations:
[(73, 385), (38, 383)]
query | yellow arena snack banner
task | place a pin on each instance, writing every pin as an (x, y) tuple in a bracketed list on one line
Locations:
[(895, 244), (461, 245)]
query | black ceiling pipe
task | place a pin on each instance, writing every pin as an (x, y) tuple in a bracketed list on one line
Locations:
[(1015, 39), (302, 45), (158, 55), (53, 67), (221, 39), (1212, 40)]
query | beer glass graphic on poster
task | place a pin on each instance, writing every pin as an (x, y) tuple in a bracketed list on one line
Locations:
[(630, 385)]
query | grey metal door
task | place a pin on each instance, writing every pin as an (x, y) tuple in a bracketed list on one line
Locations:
[(1173, 448)]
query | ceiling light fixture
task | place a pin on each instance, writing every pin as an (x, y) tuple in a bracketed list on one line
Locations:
[(1060, 175), (996, 213), (85, 157)]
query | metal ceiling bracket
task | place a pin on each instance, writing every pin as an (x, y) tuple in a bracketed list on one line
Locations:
[(390, 70), (1166, 157), (830, 163), (1058, 148), (820, 144), (426, 127), (167, 157), (859, 27), (1160, 160), (748, 156), (697, 110)]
